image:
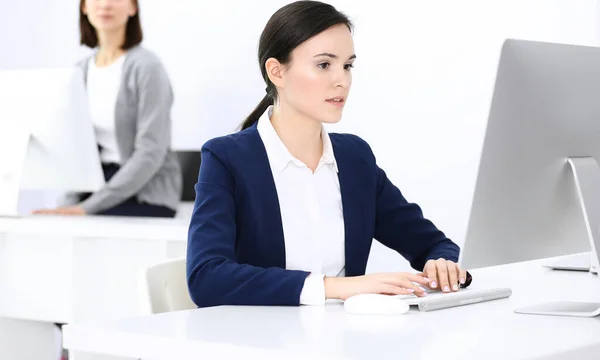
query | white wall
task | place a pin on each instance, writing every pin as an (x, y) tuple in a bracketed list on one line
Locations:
[(422, 86), (38, 33)]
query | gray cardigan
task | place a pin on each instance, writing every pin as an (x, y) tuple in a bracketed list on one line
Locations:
[(150, 171)]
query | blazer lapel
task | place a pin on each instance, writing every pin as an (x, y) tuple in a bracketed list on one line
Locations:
[(264, 185)]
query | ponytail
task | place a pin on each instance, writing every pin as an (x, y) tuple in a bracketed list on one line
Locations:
[(257, 113)]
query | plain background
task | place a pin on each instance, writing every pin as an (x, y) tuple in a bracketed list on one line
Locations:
[(422, 83)]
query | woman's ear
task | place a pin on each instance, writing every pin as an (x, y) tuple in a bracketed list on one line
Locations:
[(134, 9), (274, 71)]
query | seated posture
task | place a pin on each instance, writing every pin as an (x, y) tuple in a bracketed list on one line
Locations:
[(130, 101), (285, 212)]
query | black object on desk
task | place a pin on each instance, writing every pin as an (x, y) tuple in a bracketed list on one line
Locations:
[(468, 281), (190, 167)]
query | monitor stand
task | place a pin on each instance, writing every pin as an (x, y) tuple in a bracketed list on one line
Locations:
[(13, 150), (575, 262), (9, 195), (587, 181)]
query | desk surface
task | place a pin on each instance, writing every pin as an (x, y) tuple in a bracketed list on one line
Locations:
[(481, 331), (103, 226)]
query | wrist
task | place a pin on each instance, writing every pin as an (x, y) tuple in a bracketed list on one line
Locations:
[(332, 287)]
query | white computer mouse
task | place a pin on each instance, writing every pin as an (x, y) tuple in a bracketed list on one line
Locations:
[(375, 304)]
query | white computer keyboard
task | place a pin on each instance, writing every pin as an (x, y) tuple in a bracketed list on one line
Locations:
[(436, 299), (431, 294)]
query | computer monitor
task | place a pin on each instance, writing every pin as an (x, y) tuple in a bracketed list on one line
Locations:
[(537, 193), (48, 140)]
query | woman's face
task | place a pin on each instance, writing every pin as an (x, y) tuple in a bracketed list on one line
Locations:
[(109, 15), (317, 80)]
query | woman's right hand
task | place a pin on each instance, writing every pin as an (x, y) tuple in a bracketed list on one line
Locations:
[(381, 283)]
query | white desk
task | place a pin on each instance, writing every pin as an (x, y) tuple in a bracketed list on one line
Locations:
[(56, 269), (481, 331)]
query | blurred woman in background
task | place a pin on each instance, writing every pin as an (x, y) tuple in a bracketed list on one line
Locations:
[(130, 100)]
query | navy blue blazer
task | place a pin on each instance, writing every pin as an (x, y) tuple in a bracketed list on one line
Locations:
[(236, 249)]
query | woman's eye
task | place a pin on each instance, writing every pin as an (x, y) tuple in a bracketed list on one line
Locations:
[(324, 65)]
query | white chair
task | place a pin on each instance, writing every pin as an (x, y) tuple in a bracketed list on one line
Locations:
[(166, 287)]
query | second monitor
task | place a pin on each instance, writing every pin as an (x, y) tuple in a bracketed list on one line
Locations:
[(48, 135)]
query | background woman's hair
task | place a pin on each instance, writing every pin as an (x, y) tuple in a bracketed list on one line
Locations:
[(289, 27)]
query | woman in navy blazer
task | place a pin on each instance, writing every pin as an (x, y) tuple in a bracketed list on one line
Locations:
[(236, 248)]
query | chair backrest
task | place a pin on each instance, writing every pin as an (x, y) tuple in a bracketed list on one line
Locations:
[(190, 167), (166, 287)]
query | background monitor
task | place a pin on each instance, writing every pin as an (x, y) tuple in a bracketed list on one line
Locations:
[(51, 106)]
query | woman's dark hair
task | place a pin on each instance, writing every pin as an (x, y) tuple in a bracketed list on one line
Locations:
[(289, 27), (133, 30)]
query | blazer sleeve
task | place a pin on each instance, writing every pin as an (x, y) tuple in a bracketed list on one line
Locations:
[(213, 275), (400, 225), (151, 144)]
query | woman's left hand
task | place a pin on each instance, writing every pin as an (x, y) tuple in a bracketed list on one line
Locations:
[(65, 210), (444, 274)]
